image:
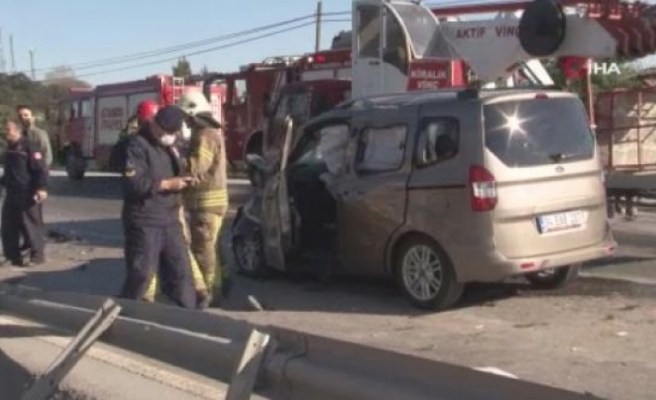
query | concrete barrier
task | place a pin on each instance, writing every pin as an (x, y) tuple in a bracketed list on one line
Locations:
[(300, 366)]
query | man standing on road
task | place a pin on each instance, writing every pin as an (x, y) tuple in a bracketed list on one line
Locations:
[(207, 200), (25, 179), (154, 241), (39, 140), (37, 137)]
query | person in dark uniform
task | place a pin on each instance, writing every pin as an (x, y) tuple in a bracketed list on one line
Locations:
[(25, 180), (154, 241)]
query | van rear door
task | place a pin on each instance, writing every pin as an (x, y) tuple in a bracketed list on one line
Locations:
[(542, 153)]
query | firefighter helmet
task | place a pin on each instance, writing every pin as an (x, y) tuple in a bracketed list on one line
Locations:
[(146, 110), (193, 103)]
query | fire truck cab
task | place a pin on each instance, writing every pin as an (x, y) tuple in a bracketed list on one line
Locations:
[(91, 121), (261, 93)]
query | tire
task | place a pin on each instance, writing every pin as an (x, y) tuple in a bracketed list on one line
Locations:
[(449, 290), (554, 278), (249, 255)]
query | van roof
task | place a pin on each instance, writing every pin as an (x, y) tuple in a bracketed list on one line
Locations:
[(444, 95)]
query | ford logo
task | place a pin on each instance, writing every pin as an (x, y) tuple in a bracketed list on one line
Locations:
[(560, 169)]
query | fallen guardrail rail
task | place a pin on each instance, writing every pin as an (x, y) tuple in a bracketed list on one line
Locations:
[(273, 362)]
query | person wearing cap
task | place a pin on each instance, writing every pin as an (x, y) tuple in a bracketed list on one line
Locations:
[(146, 110), (154, 241), (207, 200), (198, 278)]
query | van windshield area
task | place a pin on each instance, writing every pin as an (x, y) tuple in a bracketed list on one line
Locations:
[(537, 132)]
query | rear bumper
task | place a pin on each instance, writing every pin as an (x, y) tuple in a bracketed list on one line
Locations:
[(500, 267)]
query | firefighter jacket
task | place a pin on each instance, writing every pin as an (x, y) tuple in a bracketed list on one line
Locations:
[(25, 170), (207, 163), (39, 140), (147, 164)]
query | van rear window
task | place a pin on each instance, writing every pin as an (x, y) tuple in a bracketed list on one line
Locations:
[(538, 131)]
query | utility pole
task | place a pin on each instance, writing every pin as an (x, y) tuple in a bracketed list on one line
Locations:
[(317, 45), (11, 51), (3, 61), (32, 64)]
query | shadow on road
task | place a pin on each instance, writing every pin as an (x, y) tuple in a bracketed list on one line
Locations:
[(94, 232), (101, 277), (18, 331), (14, 378)]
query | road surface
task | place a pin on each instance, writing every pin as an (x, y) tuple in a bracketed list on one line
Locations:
[(595, 336)]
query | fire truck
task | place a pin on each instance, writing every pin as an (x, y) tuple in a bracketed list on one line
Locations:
[(303, 85), (90, 121)]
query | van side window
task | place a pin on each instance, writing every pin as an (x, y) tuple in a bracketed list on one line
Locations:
[(381, 149), (439, 140)]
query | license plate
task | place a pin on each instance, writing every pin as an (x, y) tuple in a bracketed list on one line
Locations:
[(561, 221)]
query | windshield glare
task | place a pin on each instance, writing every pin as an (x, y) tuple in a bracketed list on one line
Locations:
[(538, 132)]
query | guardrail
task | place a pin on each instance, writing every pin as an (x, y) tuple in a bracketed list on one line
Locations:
[(292, 365)]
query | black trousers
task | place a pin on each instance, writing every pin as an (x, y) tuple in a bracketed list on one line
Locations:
[(149, 250), (22, 217)]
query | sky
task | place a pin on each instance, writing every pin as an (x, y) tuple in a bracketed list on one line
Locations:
[(83, 34), (79, 32)]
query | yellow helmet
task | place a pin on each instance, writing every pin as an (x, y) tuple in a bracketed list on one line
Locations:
[(193, 103)]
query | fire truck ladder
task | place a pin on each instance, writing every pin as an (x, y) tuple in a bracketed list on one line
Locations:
[(177, 88)]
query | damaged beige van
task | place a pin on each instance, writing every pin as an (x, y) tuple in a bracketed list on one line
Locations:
[(435, 189)]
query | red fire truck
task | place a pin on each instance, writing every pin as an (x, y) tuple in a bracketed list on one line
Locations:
[(91, 120), (306, 85)]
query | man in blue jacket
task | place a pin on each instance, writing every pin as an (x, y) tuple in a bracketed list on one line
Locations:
[(154, 241)]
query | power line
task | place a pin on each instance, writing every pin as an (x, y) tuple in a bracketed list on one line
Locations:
[(185, 46), (225, 46)]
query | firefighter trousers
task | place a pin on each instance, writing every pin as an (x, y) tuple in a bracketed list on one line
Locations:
[(22, 218), (205, 228), (158, 250), (197, 276)]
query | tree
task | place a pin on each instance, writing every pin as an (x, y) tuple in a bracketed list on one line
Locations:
[(64, 76), (182, 68)]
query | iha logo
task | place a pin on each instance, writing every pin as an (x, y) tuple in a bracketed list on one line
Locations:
[(575, 66)]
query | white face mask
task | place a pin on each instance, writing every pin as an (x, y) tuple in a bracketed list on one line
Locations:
[(186, 131), (167, 139)]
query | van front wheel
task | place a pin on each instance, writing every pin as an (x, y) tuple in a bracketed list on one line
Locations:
[(553, 278), (426, 275)]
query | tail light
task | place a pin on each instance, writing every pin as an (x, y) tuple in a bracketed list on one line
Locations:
[(483, 189)]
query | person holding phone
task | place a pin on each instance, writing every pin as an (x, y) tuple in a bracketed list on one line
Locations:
[(154, 240)]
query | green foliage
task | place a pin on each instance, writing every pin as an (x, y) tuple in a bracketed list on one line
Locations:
[(182, 68), (42, 97)]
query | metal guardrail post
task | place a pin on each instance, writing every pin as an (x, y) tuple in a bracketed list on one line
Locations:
[(243, 381), (45, 385)]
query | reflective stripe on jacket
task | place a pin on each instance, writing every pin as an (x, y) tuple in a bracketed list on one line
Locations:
[(207, 163)]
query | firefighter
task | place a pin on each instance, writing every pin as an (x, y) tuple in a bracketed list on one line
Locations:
[(25, 180), (146, 110), (117, 156), (207, 200), (154, 241)]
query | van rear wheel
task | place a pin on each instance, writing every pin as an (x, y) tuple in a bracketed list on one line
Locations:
[(426, 275), (553, 278)]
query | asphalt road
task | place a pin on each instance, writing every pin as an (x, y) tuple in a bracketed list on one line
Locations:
[(596, 335)]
